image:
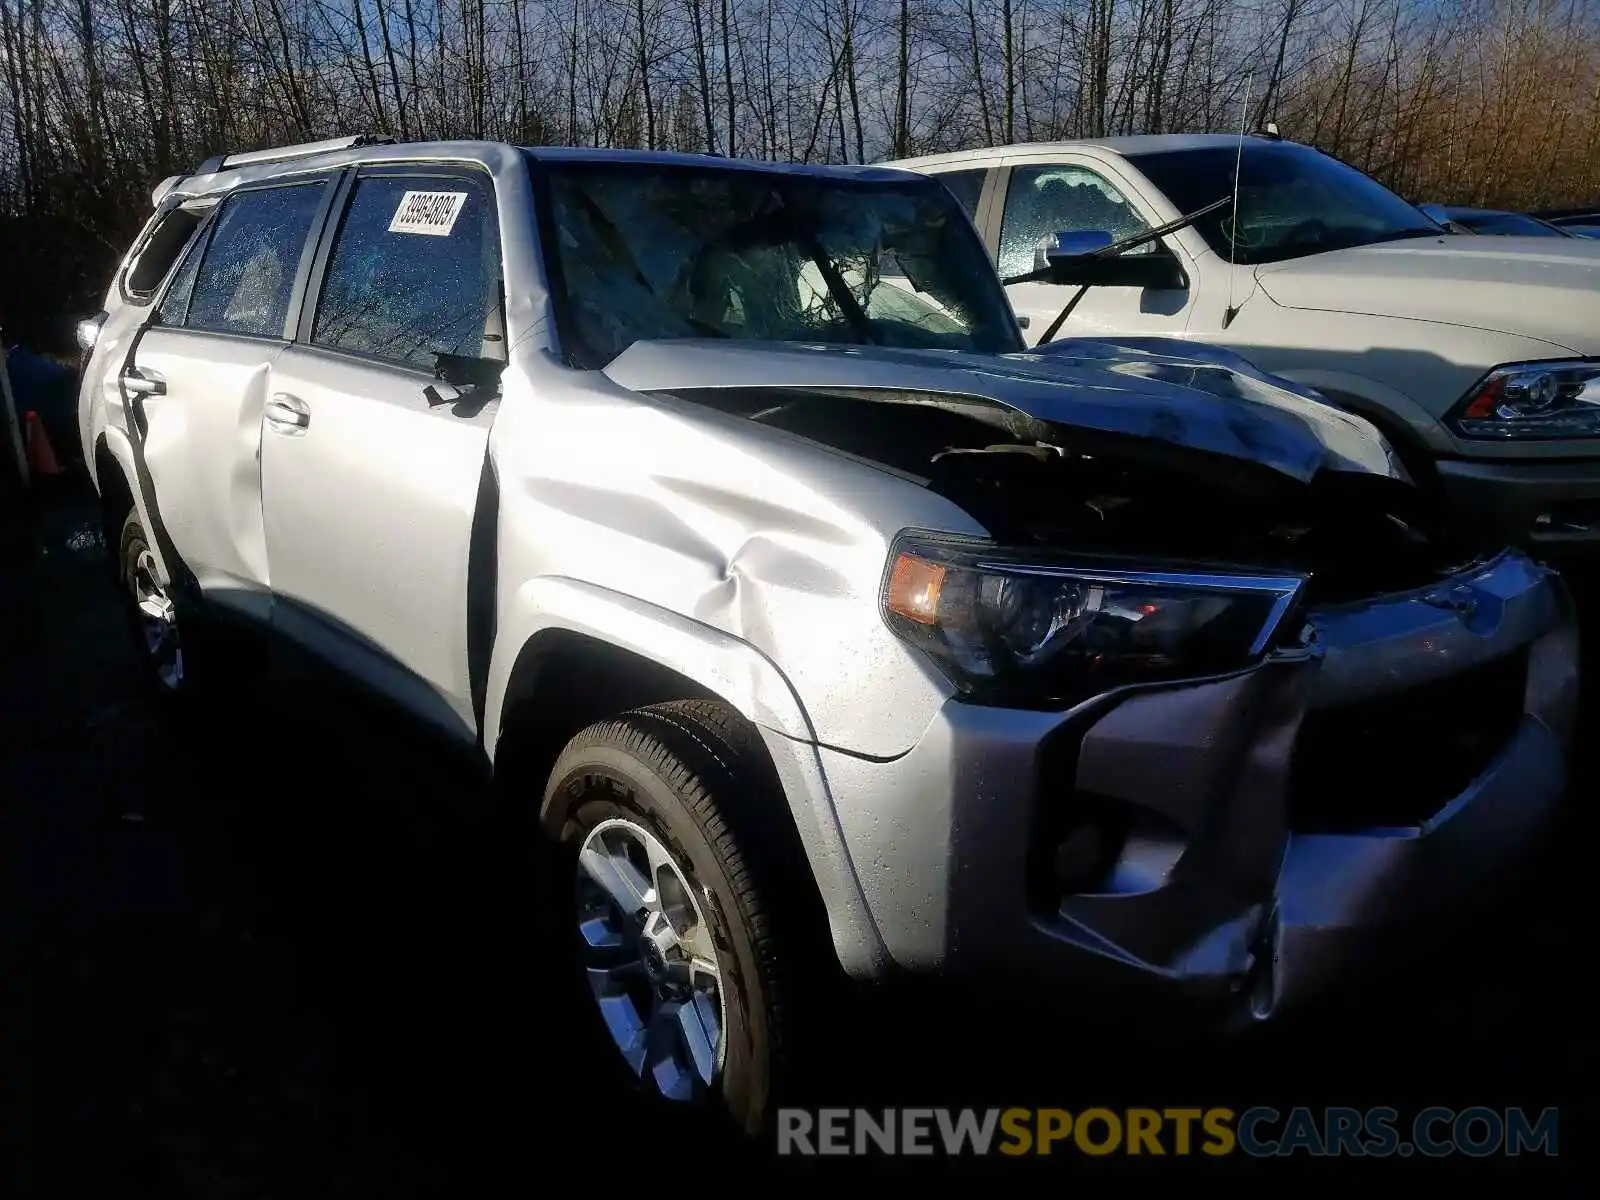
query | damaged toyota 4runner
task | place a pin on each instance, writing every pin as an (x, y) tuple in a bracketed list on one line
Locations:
[(721, 508)]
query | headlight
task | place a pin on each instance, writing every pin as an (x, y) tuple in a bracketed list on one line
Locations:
[(1011, 627), (1533, 400)]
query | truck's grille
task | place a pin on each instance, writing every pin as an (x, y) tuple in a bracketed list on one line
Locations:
[(1397, 761)]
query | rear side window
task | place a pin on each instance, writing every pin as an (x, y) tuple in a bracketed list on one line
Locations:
[(157, 251), (415, 272), (174, 305), (248, 271)]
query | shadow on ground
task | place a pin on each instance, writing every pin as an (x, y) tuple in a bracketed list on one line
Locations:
[(293, 958)]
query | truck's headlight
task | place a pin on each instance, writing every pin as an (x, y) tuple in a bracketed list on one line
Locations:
[(1013, 627), (1533, 400)]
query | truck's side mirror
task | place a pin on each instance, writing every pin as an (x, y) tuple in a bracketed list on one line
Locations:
[(1069, 244), (1075, 258)]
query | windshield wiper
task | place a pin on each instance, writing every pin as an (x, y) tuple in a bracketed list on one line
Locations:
[(838, 289), (1131, 243), (1111, 251)]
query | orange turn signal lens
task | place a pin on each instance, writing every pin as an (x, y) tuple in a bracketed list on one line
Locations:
[(1483, 404), (914, 586)]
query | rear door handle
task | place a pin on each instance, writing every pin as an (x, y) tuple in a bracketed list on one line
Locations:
[(287, 414), (143, 382)]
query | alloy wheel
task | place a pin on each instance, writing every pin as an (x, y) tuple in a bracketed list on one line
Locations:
[(650, 960)]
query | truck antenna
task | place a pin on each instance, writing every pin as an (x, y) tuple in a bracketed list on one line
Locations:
[(1231, 312)]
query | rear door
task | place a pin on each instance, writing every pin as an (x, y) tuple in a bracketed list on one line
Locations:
[(371, 470), (196, 382)]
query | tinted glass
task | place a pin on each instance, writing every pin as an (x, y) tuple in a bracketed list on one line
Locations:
[(250, 264), (1049, 199), (1293, 200), (688, 252), (966, 187), (415, 272)]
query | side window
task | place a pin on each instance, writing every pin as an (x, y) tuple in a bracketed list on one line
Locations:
[(1043, 200), (174, 306), (965, 186), (250, 262), (415, 272), (158, 251)]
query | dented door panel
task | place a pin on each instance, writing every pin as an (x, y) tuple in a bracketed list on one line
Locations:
[(202, 444)]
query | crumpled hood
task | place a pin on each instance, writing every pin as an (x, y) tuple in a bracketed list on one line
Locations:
[(1178, 395), (1536, 287)]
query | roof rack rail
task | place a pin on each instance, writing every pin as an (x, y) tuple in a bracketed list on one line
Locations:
[(222, 162)]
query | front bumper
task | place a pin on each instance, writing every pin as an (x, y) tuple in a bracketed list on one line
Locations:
[(1247, 835), (1549, 506)]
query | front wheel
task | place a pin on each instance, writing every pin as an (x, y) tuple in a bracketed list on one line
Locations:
[(667, 915)]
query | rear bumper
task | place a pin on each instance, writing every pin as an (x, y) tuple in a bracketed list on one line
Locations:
[(1549, 506), (1224, 873)]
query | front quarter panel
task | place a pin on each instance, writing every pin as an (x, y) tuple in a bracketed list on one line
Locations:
[(1405, 373), (761, 540)]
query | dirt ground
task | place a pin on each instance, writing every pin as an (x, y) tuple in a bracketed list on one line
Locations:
[(294, 961)]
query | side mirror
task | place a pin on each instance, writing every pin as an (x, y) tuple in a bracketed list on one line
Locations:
[(1076, 259), (1068, 244), (467, 371)]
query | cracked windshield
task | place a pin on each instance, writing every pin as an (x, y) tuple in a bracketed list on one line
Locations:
[(684, 253)]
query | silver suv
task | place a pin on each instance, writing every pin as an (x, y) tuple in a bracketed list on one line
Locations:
[(720, 507)]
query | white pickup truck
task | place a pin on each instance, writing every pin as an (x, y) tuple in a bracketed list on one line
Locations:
[(1479, 357)]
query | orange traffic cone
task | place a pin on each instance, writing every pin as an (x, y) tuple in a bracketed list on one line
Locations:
[(41, 455)]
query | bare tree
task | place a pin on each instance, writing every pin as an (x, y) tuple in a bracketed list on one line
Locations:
[(1487, 101)]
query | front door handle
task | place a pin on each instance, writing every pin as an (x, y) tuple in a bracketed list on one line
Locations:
[(143, 382), (287, 414)]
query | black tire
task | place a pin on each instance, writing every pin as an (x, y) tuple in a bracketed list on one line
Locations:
[(690, 773)]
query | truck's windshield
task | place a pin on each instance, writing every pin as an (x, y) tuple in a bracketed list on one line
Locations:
[(648, 251), (1293, 200)]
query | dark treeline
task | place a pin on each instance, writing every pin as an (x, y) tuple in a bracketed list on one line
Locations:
[(1471, 101)]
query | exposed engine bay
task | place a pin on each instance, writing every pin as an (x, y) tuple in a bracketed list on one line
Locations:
[(1033, 483)]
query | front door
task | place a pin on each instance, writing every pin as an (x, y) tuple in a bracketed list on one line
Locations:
[(371, 470), (1046, 198), (197, 380)]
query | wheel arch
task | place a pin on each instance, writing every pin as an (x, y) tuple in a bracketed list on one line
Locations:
[(568, 681), (550, 612), (565, 674), (117, 478)]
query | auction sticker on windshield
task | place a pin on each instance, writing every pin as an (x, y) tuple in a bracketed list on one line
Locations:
[(431, 213)]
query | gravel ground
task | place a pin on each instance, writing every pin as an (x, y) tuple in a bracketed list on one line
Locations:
[(288, 962)]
